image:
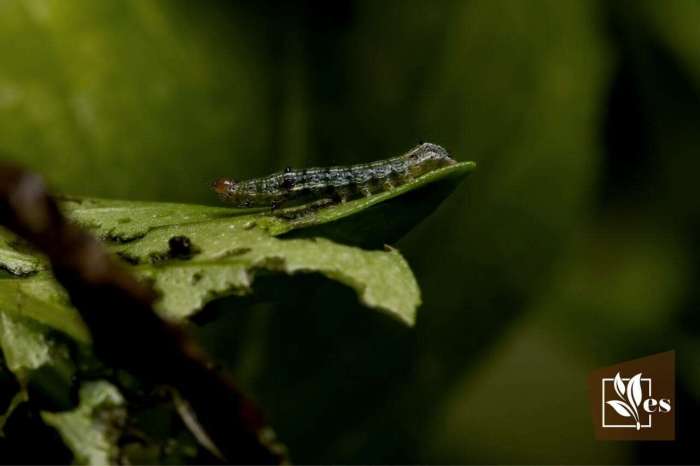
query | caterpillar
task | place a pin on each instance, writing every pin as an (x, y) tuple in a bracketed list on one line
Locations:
[(336, 184)]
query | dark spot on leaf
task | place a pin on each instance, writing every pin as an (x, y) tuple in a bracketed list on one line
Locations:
[(196, 278), (124, 220), (180, 246)]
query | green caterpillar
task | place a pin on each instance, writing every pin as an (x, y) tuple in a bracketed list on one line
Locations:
[(337, 184)]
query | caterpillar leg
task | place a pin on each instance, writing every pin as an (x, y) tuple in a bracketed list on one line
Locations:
[(323, 203), (277, 203), (342, 195), (298, 212)]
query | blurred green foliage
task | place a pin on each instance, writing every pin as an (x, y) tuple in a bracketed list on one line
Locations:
[(574, 247)]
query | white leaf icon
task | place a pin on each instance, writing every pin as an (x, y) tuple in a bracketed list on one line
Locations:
[(634, 396), (619, 386), (620, 408), (634, 390)]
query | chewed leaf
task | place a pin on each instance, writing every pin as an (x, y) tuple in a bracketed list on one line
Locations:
[(620, 408), (619, 386), (382, 279), (634, 390), (187, 287), (91, 430), (220, 250)]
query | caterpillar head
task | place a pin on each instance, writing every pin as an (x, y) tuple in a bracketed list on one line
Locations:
[(232, 191), (224, 187)]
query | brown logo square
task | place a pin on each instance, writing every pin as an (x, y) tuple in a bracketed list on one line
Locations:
[(634, 400)]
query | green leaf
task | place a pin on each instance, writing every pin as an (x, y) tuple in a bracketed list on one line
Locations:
[(230, 252), (228, 247), (91, 430), (125, 221), (19, 398), (39, 361), (41, 300), (24, 345), (382, 279)]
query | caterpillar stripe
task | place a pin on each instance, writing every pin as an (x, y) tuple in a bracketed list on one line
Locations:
[(338, 184)]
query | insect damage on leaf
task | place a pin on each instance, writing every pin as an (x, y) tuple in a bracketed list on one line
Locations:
[(382, 279), (92, 430)]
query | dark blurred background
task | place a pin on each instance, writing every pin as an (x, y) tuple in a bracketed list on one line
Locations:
[(573, 246)]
